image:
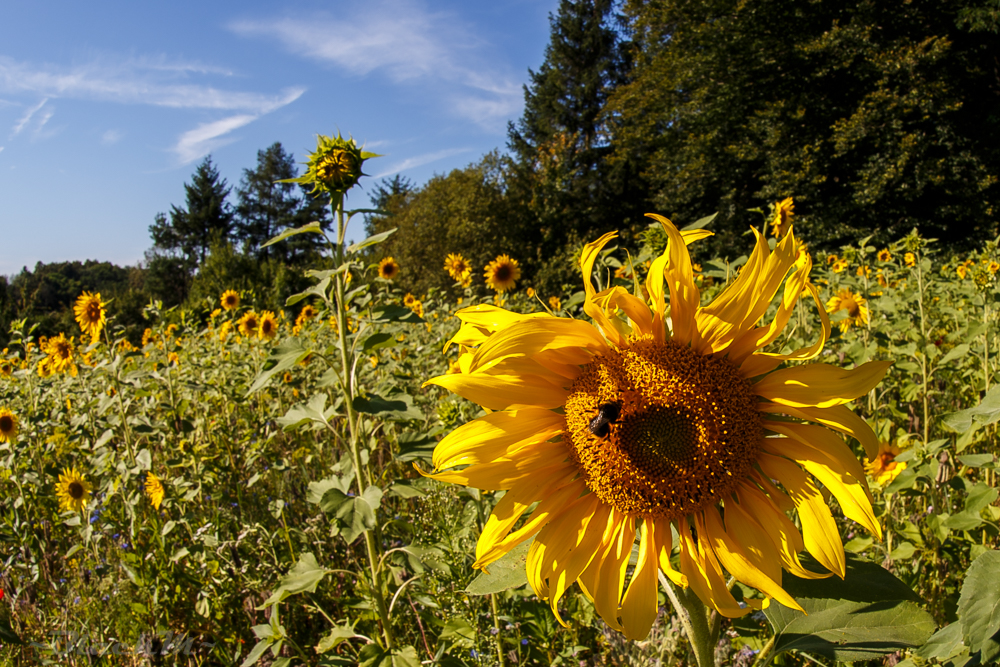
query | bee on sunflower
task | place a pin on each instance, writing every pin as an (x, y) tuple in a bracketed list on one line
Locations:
[(657, 422)]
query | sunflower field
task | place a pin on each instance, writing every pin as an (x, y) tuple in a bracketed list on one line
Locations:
[(776, 458)]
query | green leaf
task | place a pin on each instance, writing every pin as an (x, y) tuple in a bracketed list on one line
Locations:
[(979, 497), (976, 460), (987, 412), (397, 407), (963, 521), (304, 576), (312, 228), (285, 356), (508, 572), (701, 222), (338, 634), (955, 353), (904, 551), (313, 411), (869, 613), (355, 514), (946, 643), (319, 289), (373, 655), (371, 240), (979, 607), (458, 630), (393, 313), (405, 490), (257, 651), (416, 447), (376, 341)]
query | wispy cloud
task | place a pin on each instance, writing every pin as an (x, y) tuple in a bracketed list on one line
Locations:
[(26, 118), (407, 42), (207, 137), (421, 160), (136, 82), (111, 137)]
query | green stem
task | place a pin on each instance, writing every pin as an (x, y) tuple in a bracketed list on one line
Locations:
[(923, 334), (693, 616), (496, 624), (764, 657)]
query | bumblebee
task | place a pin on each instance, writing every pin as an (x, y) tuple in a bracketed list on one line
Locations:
[(607, 414)]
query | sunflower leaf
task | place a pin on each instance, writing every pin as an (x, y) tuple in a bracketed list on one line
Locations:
[(507, 572), (283, 357), (979, 607), (987, 412), (869, 613), (393, 313), (312, 228), (370, 241), (304, 576)]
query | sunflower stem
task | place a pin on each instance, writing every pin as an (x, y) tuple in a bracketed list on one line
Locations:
[(764, 657), (693, 616)]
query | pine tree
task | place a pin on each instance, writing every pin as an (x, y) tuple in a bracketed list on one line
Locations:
[(264, 206)]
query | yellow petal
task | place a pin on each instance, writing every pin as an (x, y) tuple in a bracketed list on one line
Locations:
[(496, 435), (820, 385), (498, 392), (684, 294), (704, 575), (529, 338), (654, 286), (604, 578), (502, 474), (617, 298), (664, 547), (839, 418), (639, 605), (758, 364), (587, 259), (819, 530)]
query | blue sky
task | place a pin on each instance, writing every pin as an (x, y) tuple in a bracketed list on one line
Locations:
[(107, 107)]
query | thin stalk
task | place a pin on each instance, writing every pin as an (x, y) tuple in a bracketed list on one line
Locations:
[(694, 619), (496, 624), (764, 657), (923, 335)]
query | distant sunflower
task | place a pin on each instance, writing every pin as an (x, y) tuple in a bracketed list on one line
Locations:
[(909, 259), (307, 313), (90, 314), (656, 422), (884, 467), (457, 266), (268, 325), (993, 267), (854, 304), (502, 274), (830, 259), (555, 303), (230, 300), (249, 324), (409, 300), (840, 265), (884, 255), (224, 331), (59, 356), (154, 490), (72, 490), (388, 268), (8, 425), (6, 367), (781, 218), (962, 269)]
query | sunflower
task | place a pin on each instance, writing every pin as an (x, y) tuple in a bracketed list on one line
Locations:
[(502, 273), (884, 467), (154, 490), (909, 259), (839, 266), (555, 303), (830, 259), (224, 331), (854, 304), (8, 425), (457, 266), (249, 324), (90, 314), (781, 218), (72, 490), (630, 427), (230, 300), (59, 356), (884, 255), (409, 300), (993, 267), (268, 325), (388, 269), (6, 367), (962, 269), (307, 313)]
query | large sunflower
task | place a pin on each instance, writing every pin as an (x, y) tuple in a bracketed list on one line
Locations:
[(8, 425), (502, 274), (90, 314), (661, 424), (388, 268), (72, 490)]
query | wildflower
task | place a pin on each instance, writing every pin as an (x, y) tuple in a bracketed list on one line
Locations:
[(174, 359), (884, 467), (388, 269), (72, 490), (781, 219), (8, 425), (224, 331), (249, 324), (148, 336), (854, 304), (627, 428), (502, 274), (6, 367), (993, 267), (962, 269), (863, 271), (409, 300), (154, 490), (307, 313), (830, 259), (530, 292), (230, 300), (215, 313), (268, 327), (839, 265), (90, 314)]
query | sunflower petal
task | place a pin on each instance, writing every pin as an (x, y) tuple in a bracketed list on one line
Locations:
[(496, 435), (502, 474), (664, 547), (684, 294), (704, 574), (498, 392), (758, 364), (604, 578), (529, 338), (590, 253), (820, 385), (639, 605), (839, 418)]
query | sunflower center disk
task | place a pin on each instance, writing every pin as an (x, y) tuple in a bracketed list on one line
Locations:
[(75, 490), (686, 432)]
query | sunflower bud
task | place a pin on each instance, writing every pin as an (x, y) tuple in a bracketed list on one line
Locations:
[(335, 167)]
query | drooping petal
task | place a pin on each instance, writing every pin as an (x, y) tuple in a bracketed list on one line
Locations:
[(590, 253), (820, 385), (639, 605), (502, 474), (481, 321), (604, 578), (758, 364), (819, 530), (839, 418), (529, 338), (704, 575), (660, 530), (654, 287), (496, 435), (617, 298)]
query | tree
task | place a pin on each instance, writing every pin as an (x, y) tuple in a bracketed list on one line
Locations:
[(560, 148), (875, 117), (206, 218)]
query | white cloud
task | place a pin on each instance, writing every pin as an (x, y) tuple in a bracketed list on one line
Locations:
[(205, 138), (136, 82), (112, 137), (407, 42), (420, 160), (26, 118)]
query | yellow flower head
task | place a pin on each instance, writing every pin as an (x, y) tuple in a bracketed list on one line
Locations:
[(994, 267), (781, 218), (555, 303), (72, 490), (884, 467), (884, 255), (409, 300), (90, 314), (830, 259), (230, 300), (154, 490), (457, 266), (215, 313), (502, 274), (174, 359), (672, 419), (388, 269), (909, 259), (6, 367), (59, 356), (8, 425), (962, 270), (854, 304), (335, 167), (530, 292), (224, 331), (268, 327), (839, 266), (307, 313), (249, 324)]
